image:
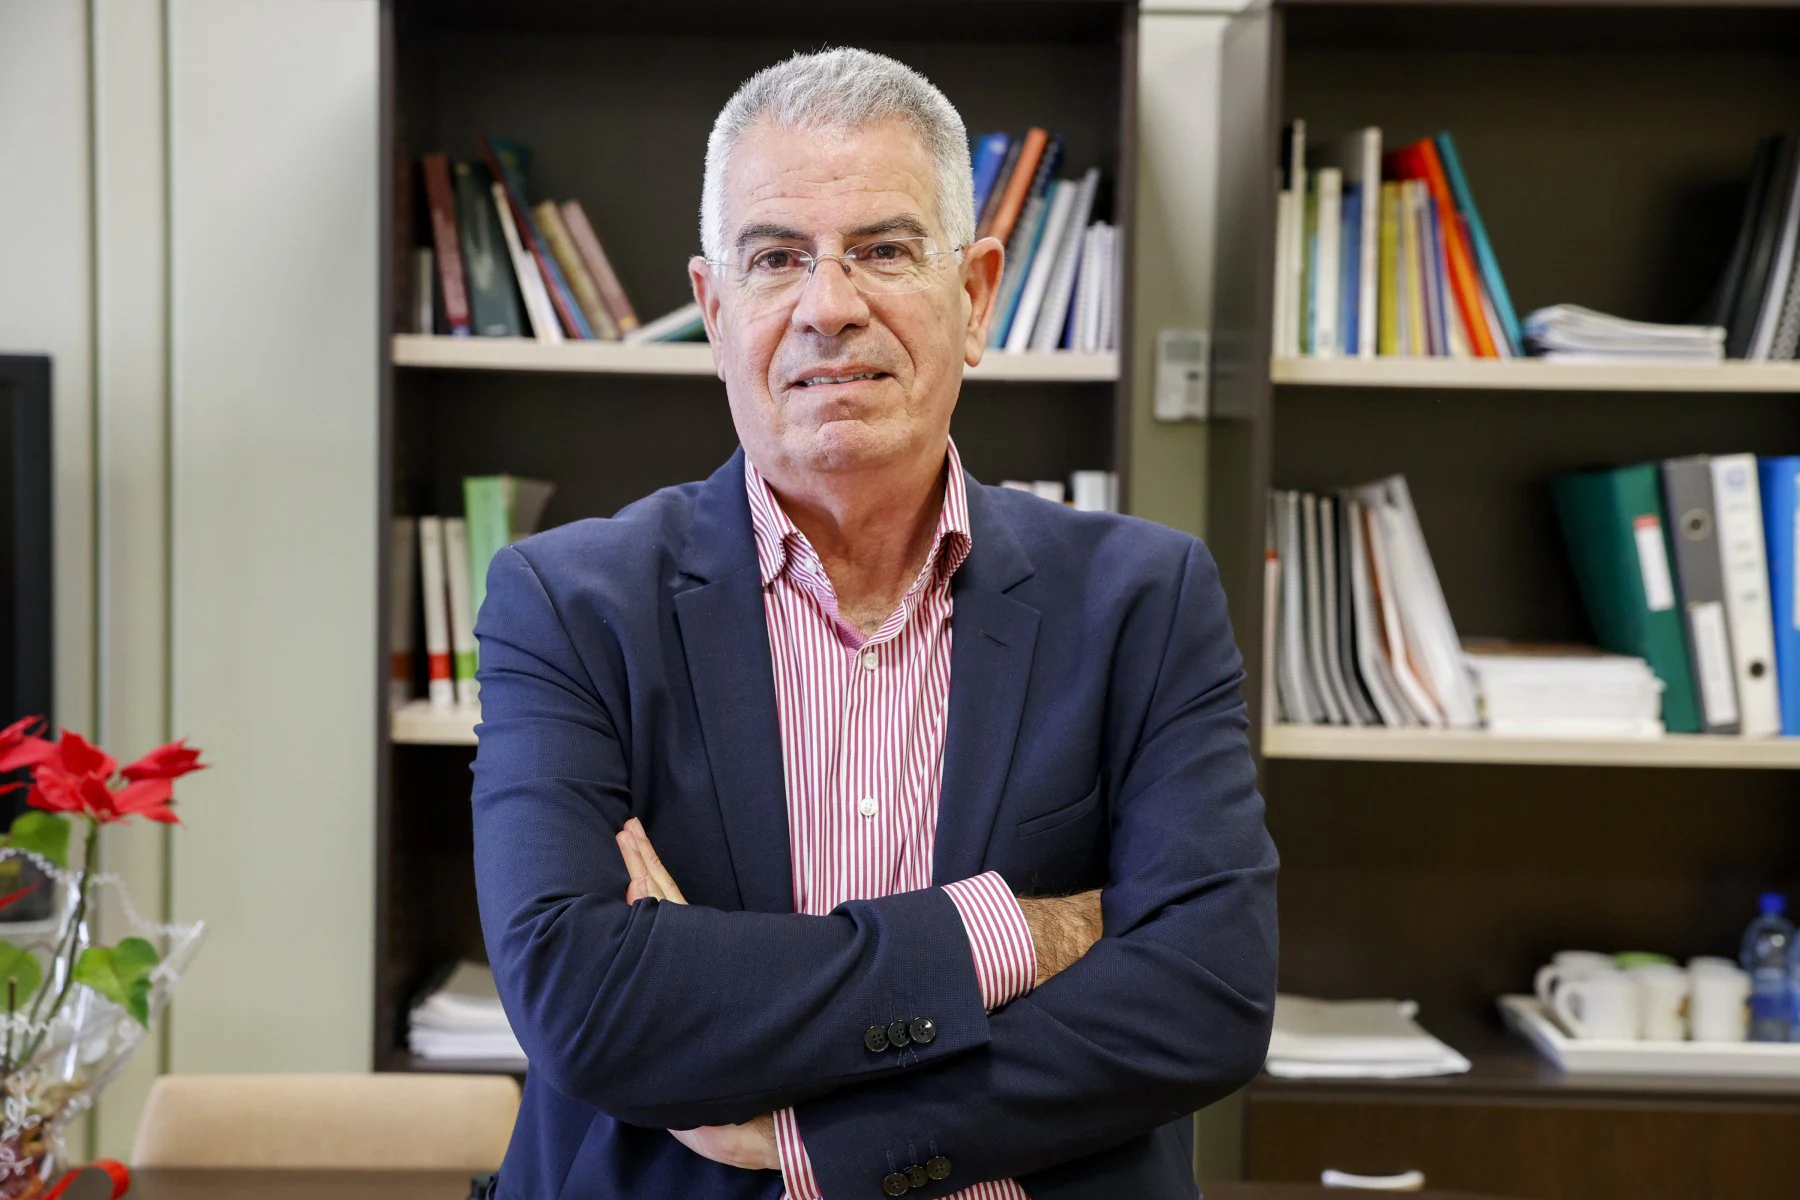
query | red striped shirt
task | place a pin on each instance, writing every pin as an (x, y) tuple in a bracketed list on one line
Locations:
[(862, 744)]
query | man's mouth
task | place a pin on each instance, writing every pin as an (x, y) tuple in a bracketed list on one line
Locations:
[(822, 380)]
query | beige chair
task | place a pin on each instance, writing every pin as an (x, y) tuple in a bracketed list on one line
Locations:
[(403, 1122)]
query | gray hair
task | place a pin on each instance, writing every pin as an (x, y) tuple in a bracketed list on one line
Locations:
[(842, 89)]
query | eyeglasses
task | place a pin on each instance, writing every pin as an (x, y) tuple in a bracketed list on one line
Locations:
[(892, 267)]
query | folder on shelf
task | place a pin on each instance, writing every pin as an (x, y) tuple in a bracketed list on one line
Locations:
[(487, 273), (462, 613), (1294, 685), (1313, 569), (1693, 536), (1612, 522), (1737, 505), (1780, 479), (442, 692)]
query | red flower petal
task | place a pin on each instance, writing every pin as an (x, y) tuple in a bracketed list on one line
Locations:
[(165, 762), (97, 798), (82, 757), (53, 794), (24, 752), (142, 796)]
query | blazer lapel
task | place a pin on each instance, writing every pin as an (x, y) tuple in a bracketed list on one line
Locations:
[(725, 638), (993, 638)]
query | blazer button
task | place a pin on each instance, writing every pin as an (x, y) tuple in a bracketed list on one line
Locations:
[(924, 1031), (898, 1034), (915, 1176), (938, 1169), (876, 1039), (895, 1184)]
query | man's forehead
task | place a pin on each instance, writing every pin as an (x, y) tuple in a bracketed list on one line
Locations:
[(831, 173)]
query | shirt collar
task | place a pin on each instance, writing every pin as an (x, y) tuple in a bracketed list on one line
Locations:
[(778, 538)]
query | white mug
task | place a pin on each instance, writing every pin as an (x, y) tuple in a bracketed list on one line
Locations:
[(1719, 1009), (1662, 990), (1570, 964), (1598, 1006), (1710, 962)]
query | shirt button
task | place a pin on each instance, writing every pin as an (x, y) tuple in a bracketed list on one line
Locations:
[(868, 660), (895, 1184), (923, 1031), (938, 1169), (915, 1176), (868, 806), (899, 1034), (876, 1038)]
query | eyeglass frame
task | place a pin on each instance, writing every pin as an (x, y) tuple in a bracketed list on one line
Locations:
[(847, 260)]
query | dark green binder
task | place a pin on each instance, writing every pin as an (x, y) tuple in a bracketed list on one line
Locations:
[(487, 264), (1614, 526)]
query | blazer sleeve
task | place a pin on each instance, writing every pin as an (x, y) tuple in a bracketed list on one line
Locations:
[(664, 1014), (1169, 1011)]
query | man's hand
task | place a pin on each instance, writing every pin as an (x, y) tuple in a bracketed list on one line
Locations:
[(1063, 928), (751, 1145)]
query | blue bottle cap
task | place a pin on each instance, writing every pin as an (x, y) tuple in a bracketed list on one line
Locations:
[(1773, 904)]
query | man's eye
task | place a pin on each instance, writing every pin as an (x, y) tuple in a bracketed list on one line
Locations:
[(770, 262), (884, 252)]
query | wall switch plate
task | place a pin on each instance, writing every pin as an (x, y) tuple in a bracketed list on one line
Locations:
[(1182, 363)]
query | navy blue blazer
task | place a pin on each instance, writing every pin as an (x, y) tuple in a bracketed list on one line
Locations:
[(1096, 739)]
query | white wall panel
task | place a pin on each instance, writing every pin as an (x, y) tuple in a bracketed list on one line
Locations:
[(273, 258)]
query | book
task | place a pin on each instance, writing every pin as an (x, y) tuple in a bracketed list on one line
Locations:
[(1340, 567), (1493, 284), (1060, 288), (403, 564), (1359, 157), (683, 324), (1043, 265), (1388, 322), (1331, 626), (1744, 565), (1700, 586), (599, 266), (1309, 263), (1294, 686), (1350, 275), (457, 576), (1421, 161), (1781, 268), (1018, 265), (498, 510), (1372, 666), (1414, 316), (1762, 174), (1110, 253), (1085, 317), (538, 309), (424, 291), (1747, 306), (1292, 163), (568, 260), (1431, 270), (509, 162), (1285, 339), (441, 199), (1402, 657), (1012, 200), (1612, 524), (440, 689), (985, 165), (984, 221), (1312, 571), (493, 299), (1327, 249), (1780, 480)]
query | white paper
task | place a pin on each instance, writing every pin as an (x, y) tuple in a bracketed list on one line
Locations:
[(1712, 654), (1653, 562)]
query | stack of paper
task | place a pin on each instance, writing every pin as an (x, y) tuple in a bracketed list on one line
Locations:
[(1565, 691), (1355, 1039), (1570, 333), (462, 1021)]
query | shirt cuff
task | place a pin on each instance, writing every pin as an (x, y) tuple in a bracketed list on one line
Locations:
[(796, 1164), (999, 938)]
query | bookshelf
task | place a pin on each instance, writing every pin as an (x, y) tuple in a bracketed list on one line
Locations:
[(695, 359), (1608, 145), (616, 102)]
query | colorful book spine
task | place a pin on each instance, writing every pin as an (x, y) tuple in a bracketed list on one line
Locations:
[(984, 215), (988, 159), (1459, 258), (538, 309), (403, 565), (593, 255), (462, 613), (1350, 283), (1388, 307), (506, 160), (1012, 201), (1493, 284), (441, 200), (1780, 479), (568, 260), (487, 270), (432, 586), (1412, 253)]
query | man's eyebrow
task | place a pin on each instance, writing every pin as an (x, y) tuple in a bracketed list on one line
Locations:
[(908, 225), (768, 232)]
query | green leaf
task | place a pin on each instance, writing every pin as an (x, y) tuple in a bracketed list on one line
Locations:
[(120, 973), (22, 965), (42, 833)]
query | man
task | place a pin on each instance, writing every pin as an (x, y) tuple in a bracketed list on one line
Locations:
[(802, 791)]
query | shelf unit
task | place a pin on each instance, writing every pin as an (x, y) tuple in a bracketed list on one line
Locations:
[(695, 359), (1608, 145), (617, 101)]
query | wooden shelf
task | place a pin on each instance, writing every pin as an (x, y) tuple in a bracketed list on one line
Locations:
[(1530, 374), (1475, 746), (695, 358), (418, 724)]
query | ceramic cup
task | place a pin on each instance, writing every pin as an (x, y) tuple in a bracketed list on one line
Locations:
[(1570, 964), (1598, 1006), (1662, 991), (1719, 1008)]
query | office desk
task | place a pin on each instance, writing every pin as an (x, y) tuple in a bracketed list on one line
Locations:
[(167, 1184)]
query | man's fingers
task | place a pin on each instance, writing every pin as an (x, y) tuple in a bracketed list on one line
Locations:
[(658, 873), (642, 885)]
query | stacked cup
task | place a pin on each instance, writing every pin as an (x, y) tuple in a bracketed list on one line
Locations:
[(1645, 997)]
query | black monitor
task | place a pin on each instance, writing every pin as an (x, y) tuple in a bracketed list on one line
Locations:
[(26, 583)]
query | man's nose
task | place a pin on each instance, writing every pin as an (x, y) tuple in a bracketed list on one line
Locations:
[(829, 302)]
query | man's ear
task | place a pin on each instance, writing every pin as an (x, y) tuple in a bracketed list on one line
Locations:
[(706, 295), (981, 272)]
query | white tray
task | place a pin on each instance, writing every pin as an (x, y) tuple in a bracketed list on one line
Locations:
[(1765, 1060)]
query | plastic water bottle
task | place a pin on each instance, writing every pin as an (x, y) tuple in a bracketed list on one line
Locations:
[(1765, 956), (1794, 989)]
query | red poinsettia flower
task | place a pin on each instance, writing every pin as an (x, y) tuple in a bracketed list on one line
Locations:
[(149, 798), (81, 757), (21, 747), (165, 762)]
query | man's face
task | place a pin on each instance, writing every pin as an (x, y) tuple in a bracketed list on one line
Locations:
[(823, 192)]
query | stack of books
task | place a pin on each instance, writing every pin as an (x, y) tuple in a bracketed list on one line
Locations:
[(1384, 254), (461, 1021), (1689, 564), (1060, 287), (451, 556), (1758, 298), (1356, 620), (499, 265), (1570, 333), (1564, 691)]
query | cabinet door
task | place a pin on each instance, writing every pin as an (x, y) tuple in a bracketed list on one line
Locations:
[(1545, 1150)]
